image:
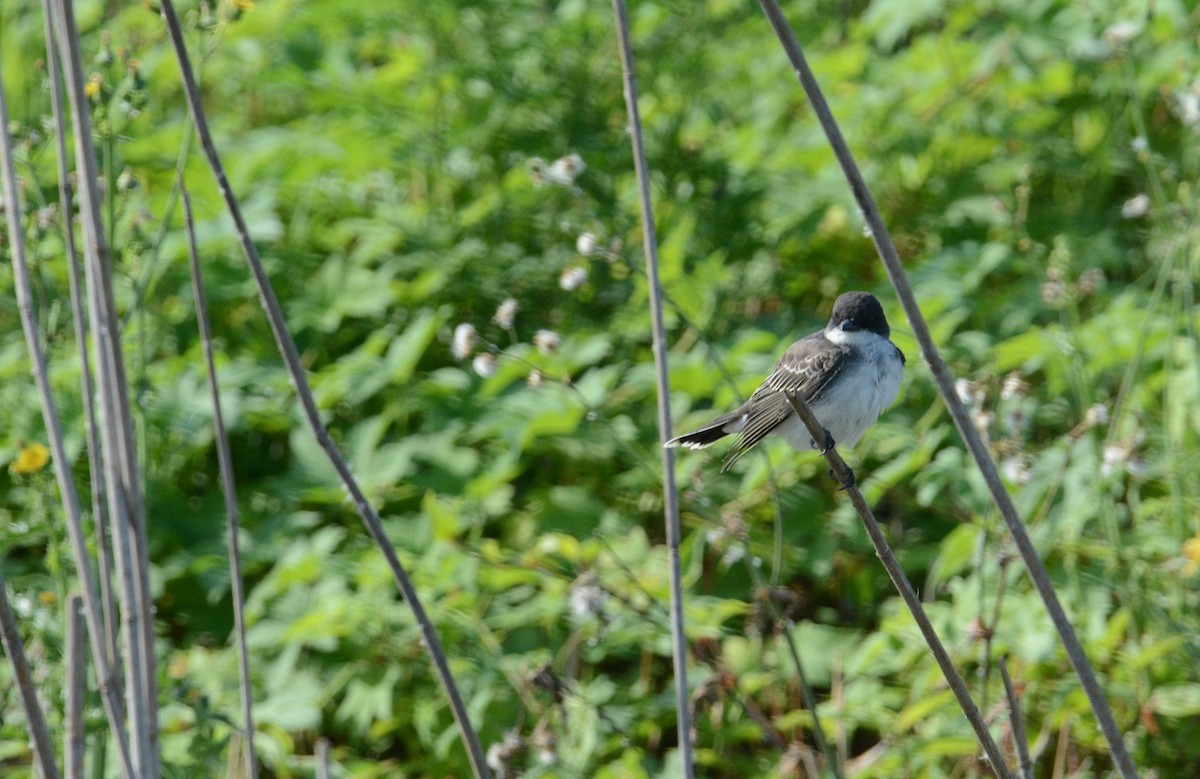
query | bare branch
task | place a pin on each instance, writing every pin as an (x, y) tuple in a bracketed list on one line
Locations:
[(225, 463), (658, 333), (321, 756), (79, 322), (10, 635), (76, 679), (53, 427), (1017, 720), (945, 383), (291, 358), (904, 587)]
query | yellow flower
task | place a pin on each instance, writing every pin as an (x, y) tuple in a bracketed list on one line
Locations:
[(31, 459), (92, 87), (1191, 555)]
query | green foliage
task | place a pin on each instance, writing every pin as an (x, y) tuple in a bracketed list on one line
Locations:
[(406, 168)]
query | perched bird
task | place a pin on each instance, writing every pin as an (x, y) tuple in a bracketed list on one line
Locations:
[(848, 374)]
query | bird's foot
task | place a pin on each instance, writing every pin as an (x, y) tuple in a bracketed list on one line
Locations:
[(848, 482), (826, 445)]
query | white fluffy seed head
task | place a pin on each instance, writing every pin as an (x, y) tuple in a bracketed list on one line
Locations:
[(463, 342)]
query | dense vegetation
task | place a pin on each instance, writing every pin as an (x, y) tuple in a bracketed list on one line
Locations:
[(411, 167)]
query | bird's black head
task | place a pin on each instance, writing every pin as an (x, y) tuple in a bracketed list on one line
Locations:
[(854, 311)]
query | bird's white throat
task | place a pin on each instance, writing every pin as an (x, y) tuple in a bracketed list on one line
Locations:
[(852, 337)]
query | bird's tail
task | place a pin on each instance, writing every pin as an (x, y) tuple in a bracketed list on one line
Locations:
[(709, 434)]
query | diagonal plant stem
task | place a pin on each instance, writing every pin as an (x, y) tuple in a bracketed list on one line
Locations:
[(1017, 719), (225, 463), (945, 384), (14, 648), (53, 425), (659, 338), (904, 587), (296, 371)]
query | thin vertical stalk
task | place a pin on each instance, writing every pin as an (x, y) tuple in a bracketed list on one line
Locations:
[(14, 648), (321, 756), (945, 383), (1017, 720), (663, 382), (66, 209), (299, 378), (786, 628), (909, 595), (53, 425), (810, 702), (225, 464), (74, 745), (118, 449)]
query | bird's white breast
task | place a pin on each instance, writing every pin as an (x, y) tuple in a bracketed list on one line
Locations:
[(857, 397)]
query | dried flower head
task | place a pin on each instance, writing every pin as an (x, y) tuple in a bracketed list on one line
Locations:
[(564, 170), (573, 278), (1091, 280), (587, 244), (1187, 105), (1121, 33), (47, 216), (126, 180), (1054, 293), (463, 342), (1014, 387), (965, 390), (1136, 207), (544, 743), (586, 598), (1115, 456), (506, 312), (1097, 414), (983, 423), (1015, 470), (547, 341), (485, 365), (502, 754), (537, 170)]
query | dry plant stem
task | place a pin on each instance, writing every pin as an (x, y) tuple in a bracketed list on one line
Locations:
[(1017, 720), (806, 693), (14, 648), (291, 358), (225, 463), (810, 702), (53, 427), (945, 382), (321, 756), (75, 743), (118, 448), (658, 333), (99, 514), (904, 587)]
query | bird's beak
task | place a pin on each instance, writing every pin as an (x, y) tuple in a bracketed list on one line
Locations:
[(848, 326)]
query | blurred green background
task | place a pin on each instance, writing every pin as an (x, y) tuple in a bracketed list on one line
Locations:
[(408, 167)]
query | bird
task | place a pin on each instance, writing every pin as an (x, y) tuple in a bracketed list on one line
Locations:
[(848, 373)]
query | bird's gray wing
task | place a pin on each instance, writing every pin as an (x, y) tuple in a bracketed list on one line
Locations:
[(806, 368)]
